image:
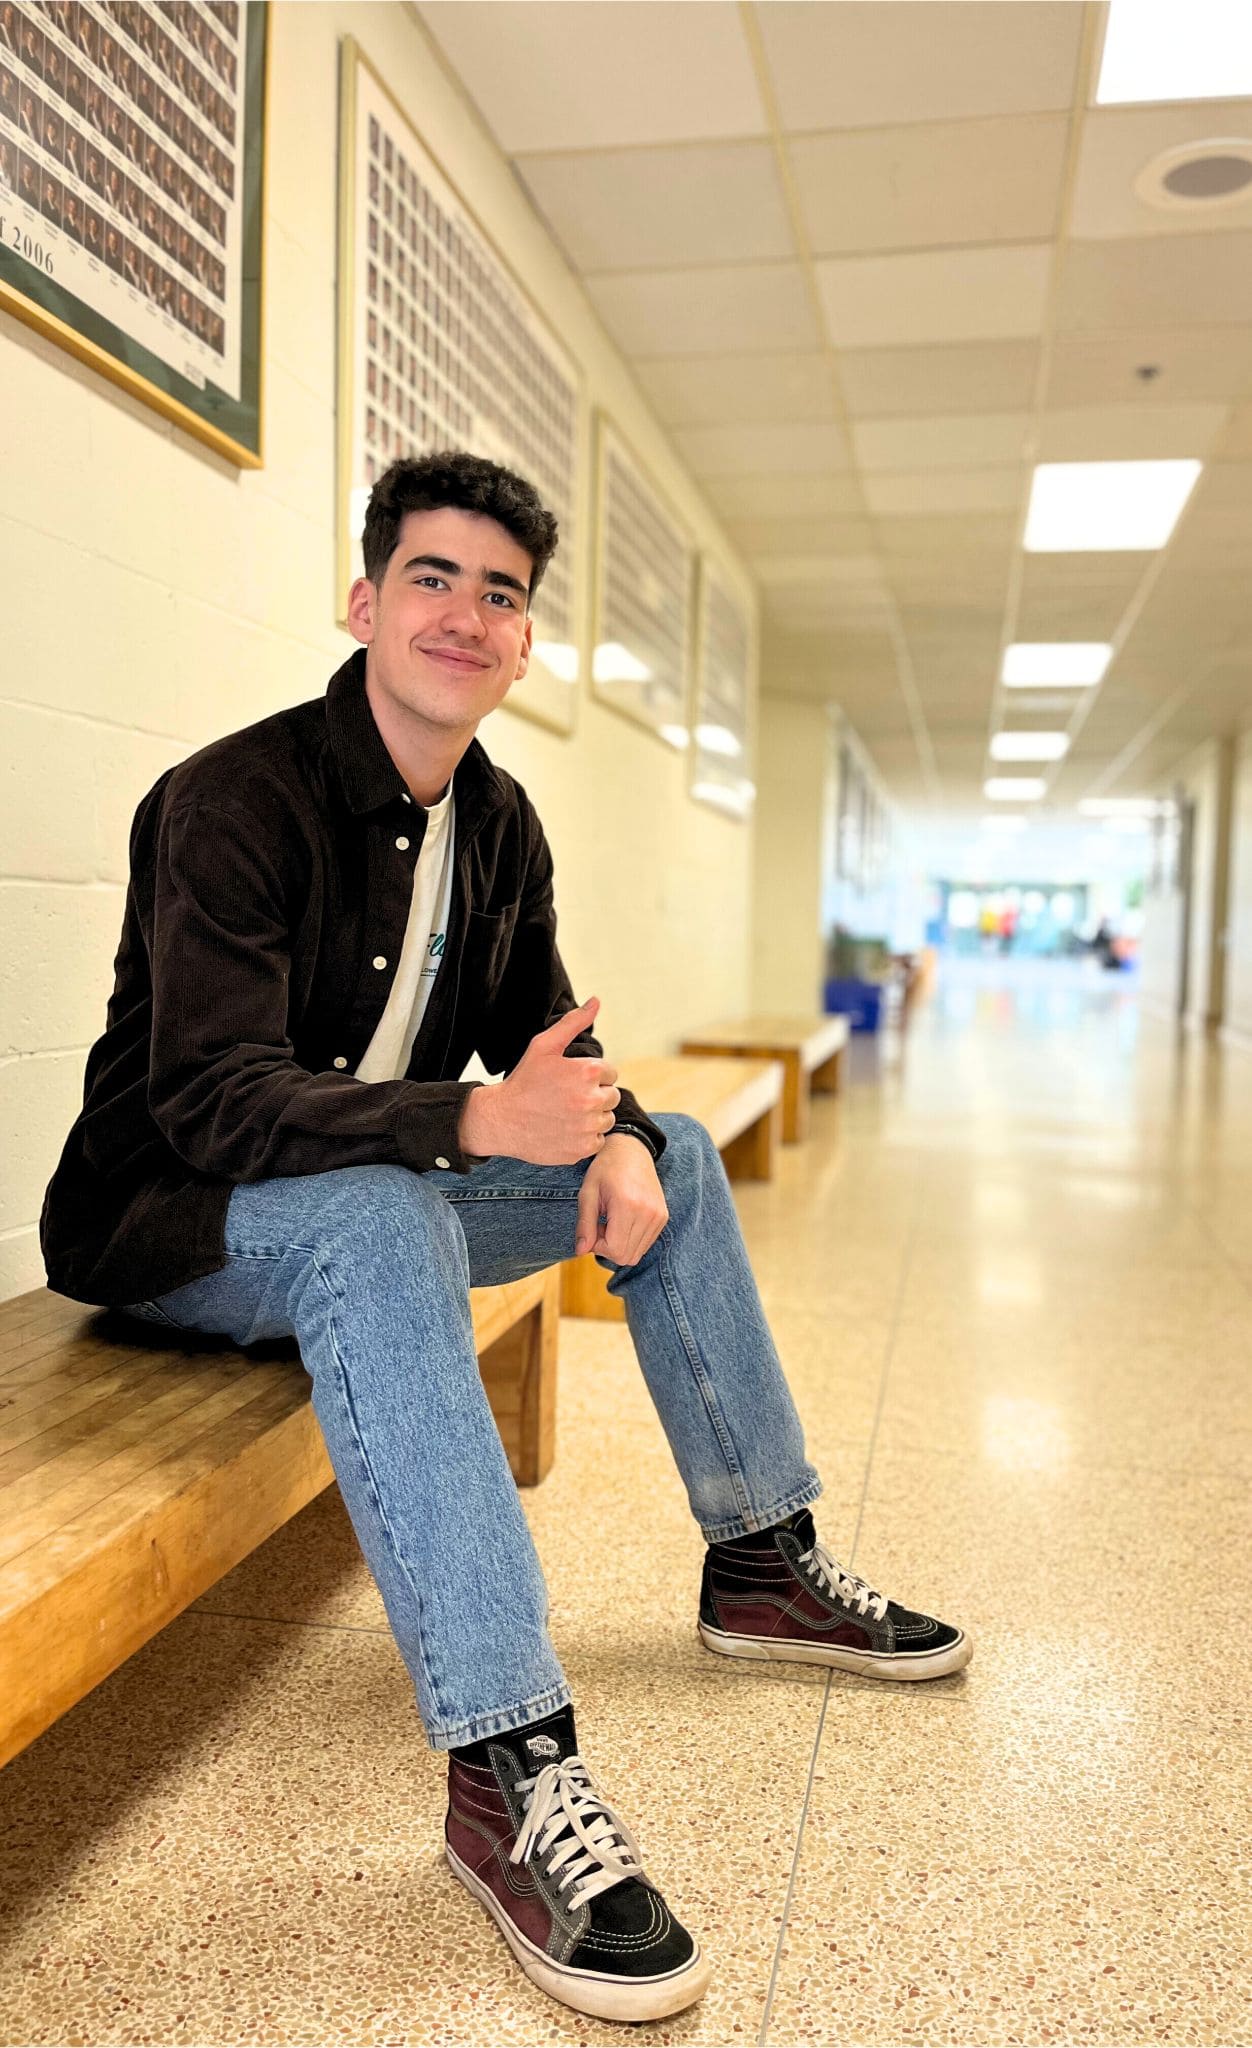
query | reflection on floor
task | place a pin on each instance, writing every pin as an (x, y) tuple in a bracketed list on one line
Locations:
[(1010, 1276)]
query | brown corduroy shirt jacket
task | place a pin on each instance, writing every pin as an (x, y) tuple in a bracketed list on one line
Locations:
[(268, 881)]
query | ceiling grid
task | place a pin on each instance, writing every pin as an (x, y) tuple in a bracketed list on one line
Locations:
[(871, 262)]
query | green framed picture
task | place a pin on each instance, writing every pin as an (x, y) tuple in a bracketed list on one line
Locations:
[(132, 154)]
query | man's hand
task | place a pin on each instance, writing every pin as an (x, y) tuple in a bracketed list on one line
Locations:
[(621, 1210), (550, 1111)]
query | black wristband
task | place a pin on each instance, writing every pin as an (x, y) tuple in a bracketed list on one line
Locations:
[(633, 1131)]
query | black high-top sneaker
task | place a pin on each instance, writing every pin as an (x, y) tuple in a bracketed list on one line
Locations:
[(531, 1838), (781, 1594)]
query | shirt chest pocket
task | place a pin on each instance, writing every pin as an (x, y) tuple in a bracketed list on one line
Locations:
[(488, 942)]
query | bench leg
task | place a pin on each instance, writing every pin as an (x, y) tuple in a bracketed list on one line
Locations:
[(519, 1373), (828, 1078), (750, 1156), (795, 1100)]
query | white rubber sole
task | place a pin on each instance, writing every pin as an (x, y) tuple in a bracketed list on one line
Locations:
[(603, 1996), (928, 1664)]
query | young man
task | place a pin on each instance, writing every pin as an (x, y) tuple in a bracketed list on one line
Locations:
[(328, 914)]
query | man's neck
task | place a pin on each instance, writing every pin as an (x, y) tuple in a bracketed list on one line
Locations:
[(426, 756)]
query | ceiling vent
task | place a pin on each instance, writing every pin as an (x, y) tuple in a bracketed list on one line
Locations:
[(1198, 175)]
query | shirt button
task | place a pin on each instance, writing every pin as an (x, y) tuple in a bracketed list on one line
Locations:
[(379, 960), (403, 845), (441, 1161), (341, 1061), (405, 798)]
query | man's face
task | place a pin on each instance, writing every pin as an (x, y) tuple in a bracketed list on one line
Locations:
[(447, 629)]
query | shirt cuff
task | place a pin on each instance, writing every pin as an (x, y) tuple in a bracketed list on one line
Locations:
[(428, 1127)]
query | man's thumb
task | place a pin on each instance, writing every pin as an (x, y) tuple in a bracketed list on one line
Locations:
[(566, 1029)]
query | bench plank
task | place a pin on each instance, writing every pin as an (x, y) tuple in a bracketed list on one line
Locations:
[(739, 1103), (150, 1469), (810, 1050)]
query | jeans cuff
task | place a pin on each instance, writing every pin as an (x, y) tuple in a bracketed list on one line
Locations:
[(501, 1721), (748, 1525)]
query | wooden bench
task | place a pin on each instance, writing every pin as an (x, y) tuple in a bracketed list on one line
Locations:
[(739, 1102), (810, 1049), (136, 1470)]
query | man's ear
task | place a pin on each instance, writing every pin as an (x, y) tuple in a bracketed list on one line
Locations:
[(362, 601), (523, 659)]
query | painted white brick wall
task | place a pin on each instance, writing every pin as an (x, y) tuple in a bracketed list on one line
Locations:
[(154, 597)]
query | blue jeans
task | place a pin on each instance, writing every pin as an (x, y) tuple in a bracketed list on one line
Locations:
[(370, 1267)]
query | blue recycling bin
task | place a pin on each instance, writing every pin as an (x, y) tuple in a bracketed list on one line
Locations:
[(859, 1001)]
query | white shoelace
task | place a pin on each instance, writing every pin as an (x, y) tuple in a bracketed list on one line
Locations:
[(827, 1570), (568, 1824)]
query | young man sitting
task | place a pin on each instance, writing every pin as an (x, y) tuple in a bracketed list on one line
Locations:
[(328, 914)]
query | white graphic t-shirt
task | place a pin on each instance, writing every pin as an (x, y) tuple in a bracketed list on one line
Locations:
[(387, 1055)]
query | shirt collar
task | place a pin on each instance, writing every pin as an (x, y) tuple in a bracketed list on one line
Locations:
[(370, 777)]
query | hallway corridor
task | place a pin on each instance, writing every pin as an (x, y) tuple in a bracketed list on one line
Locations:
[(1011, 1280)]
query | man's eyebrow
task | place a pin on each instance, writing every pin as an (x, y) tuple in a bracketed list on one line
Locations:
[(447, 568)]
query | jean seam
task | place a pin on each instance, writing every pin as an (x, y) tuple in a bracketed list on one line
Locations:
[(700, 1375), (512, 1195), (345, 1396)]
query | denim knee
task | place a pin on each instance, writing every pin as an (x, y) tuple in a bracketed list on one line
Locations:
[(378, 1214)]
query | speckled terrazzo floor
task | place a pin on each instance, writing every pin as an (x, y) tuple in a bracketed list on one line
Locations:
[(1011, 1278)]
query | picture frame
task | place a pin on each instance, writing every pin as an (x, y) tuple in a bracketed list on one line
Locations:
[(440, 346), (132, 175), (723, 720), (645, 566)]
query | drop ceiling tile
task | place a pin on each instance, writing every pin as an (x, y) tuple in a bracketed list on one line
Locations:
[(1118, 142), (964, 537), (976, 376), (945, 490), (1163, 282), (1128, 433), (698, 312), (1235, 444), (780, 496), (735, 450), (644, 209), (1191, 364), (704, 391), (586, 76), (1092, 613), (953, 441), (933, 185), (865, 65), (935, 295), (768, 537)]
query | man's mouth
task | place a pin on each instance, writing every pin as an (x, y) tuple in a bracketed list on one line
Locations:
[(455, 658)]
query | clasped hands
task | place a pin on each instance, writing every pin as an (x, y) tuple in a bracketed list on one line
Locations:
[(555, 1111)]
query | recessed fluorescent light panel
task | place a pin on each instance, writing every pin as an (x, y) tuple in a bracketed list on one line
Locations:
[(1014, 789), (1055, 664), (1159, 50), (1029, 746), (1089, 507)]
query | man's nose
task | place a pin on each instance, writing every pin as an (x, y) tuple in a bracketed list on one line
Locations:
[(463, 613)]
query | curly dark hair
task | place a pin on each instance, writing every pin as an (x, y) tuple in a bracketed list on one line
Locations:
[(467, 483)]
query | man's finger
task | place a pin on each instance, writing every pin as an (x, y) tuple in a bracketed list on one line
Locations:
[(587, 1227), (566, 1029)]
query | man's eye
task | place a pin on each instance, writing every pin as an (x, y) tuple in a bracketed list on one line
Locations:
[(502, 596)]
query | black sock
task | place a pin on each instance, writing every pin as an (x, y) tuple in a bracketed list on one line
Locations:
[(560, 1726), (800, 1525)]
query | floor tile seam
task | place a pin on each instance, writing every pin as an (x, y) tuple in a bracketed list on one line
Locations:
[(344, 1628), (902, 1281)]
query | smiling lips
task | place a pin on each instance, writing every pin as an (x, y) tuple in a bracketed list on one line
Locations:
[(454, 657)]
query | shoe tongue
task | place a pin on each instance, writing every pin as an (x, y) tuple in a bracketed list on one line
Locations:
[(545, 1742)]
